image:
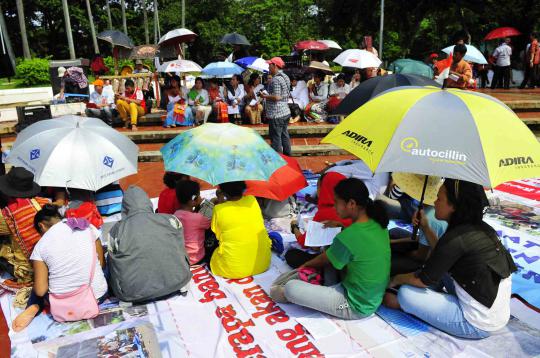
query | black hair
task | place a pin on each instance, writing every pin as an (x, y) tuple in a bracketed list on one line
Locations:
[(186, 190), (199, 79), (469, 201), (341, 76), (239, 79), (46, 214), (129, 83), (355, 189), (320, 74), (252, 78), (171, 178), (534, 34), (461, 48), (233, 188)]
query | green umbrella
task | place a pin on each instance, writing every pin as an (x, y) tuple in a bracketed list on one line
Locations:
[(406, 65)]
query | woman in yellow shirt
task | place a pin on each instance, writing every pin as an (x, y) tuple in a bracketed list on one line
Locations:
[(244, 245)]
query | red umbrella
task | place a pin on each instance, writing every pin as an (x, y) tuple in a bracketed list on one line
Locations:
[(502, 32), (285, 181), (311, 45)]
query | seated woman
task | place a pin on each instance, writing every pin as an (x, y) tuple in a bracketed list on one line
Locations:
[(131, 104), (299, 97), (219, 107), (178, 112), (356, 79), (234, 97), (68, 256), (244, 245), (318, 96), (362, 251), (469, 260), (195, 224), (167, 201), (199, 100), (338, 90), (253, 102)]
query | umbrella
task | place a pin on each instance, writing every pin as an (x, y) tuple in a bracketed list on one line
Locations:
[(116, 38), (143, 52), (311, 45), (259, 65), (408, 66), (448, 133), (502, 32), (245, 61), (77, 152), (331, 44), (319, 66), (222, 68), (473, 54), (221, 152), (376, 85), (176, 37), (235, 39), (285, 181), (357, 59), (180, 66)]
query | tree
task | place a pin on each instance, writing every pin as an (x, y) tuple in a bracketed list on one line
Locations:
[(22, 25)]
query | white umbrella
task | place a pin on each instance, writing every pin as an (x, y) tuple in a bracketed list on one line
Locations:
[(358, 59), (473, 54), (259, 65), (180, 66), (74, 152), (176, 36), (331, 44)]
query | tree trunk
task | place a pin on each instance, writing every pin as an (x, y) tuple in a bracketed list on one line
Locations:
[(124, 23), (156, 23), (145, 20), (109, 18), (92, 28), (7, 41), (22, 24), (68, 30)]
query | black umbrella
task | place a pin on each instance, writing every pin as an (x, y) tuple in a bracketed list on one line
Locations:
[(375, 85), (235, 39), (116, 38)]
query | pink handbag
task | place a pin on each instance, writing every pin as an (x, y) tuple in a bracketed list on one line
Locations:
[(79, 304)]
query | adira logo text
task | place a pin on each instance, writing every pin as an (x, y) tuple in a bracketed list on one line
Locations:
[(358, 138), (506, 162)]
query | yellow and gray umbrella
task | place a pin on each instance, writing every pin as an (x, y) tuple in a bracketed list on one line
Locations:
[(444, 132)]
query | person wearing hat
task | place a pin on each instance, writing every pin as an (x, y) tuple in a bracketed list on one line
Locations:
[(139, 67), (20, 204), (277, 107), (100, 103), (412, 184)]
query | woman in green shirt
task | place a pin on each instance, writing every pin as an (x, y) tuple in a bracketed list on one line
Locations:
[(362, 251)]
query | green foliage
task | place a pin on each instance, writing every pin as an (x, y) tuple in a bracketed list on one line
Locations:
[(33, 71)]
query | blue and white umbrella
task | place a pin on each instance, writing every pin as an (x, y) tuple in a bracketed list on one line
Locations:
[(473, 54), (222, 69), (246, 61)]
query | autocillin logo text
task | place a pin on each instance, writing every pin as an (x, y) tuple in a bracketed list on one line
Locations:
[(359, 140), (412, 146)]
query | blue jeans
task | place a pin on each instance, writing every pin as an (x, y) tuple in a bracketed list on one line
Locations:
[(279, 135), (439, 309)]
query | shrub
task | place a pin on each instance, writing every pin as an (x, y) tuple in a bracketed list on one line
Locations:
[(33, 71)]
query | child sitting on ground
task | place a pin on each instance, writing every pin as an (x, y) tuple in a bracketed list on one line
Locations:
[(167, 202), (195, 224)]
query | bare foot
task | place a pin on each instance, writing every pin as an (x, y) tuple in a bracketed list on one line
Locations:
[(134, 128), (25, 318), (390, 300)]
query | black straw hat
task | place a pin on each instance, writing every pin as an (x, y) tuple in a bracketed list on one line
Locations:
[(19, 183)]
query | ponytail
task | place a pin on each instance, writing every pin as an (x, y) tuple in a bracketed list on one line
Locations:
[(355, 189)]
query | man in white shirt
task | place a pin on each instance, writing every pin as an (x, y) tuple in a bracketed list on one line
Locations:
[(99, 104), (501, 76)]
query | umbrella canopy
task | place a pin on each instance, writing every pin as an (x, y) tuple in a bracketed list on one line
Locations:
[(319, 66), (285, 181), (221, 152), (183, 66), (357, 59), (331, 44), (408, 66), (77, 152), (177, 36), (473, 54), (311, 45), (245, 61), (376, 85), (116, 38), (222, 68), (235, 39), (259, 65), (143, 52), (502, 32), (448, 133)]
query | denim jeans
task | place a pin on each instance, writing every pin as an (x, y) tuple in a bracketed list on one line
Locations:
[(330, 300), (105, 114), (439, 309), (279, 135)]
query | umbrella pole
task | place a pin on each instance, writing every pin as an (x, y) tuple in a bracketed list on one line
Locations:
[(115, 57), (420, 207)]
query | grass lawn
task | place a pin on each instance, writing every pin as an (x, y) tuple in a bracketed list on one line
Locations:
[(16, 83)]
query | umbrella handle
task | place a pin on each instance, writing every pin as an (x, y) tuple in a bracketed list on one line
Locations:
[(420, 207)]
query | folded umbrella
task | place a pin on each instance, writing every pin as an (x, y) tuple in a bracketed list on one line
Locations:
[(221, 152), (473, 54), (77, 152), (283, 183), (357, 59), (222, 69)]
